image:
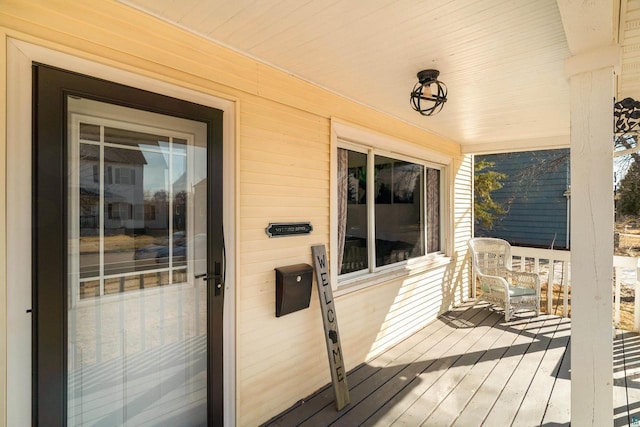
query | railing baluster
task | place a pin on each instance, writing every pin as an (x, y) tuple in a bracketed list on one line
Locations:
[(551, 278), (636, 302), (473, 280), (564, 257), (616, 307), (565, 288)]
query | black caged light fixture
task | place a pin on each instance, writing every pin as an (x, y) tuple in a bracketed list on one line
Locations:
[(429, 94)]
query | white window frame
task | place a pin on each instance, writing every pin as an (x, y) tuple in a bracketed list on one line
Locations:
[(354, 138)]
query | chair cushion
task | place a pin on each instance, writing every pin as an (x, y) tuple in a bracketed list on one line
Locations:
[(519, 291)]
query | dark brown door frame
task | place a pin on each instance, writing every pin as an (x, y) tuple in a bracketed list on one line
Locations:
[(49, 219)]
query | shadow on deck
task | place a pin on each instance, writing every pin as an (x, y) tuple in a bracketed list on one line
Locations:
[(469, 368)]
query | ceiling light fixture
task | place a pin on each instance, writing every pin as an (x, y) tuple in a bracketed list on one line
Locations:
[(429, 94)]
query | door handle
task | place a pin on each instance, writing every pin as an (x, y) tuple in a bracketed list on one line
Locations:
[(216, 278)]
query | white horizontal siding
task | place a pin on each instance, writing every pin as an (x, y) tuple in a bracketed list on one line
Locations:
[(284, 174), (463, 226)]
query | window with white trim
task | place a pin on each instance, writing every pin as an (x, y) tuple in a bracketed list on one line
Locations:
[(388, 210)]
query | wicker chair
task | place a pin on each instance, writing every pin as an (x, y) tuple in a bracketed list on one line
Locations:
[(500, 285)]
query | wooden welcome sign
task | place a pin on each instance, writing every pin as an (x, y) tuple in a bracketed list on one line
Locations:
[(332, 337)]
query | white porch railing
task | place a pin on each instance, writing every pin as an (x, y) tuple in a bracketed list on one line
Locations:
[(539, 261), (553, 266)]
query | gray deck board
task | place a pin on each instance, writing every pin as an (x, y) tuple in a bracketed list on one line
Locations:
[(512, 394), (626, 377), (463, 356), (558, 408), (391, 370), (421, 377), (323, 401), (466, 389), (533, 404), (470, 368), (483, 401)]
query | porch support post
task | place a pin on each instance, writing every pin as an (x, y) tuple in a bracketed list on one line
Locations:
[(591, 29), (592, 95)]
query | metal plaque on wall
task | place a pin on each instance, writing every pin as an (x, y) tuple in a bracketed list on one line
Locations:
[(281, 229)]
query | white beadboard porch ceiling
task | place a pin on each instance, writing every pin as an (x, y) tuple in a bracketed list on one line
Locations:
[(502, 60)]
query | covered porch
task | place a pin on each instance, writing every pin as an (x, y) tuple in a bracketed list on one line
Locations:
[(470, 368), (299, 83)]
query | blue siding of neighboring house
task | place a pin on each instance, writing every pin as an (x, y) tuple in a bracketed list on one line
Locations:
[(533, 194)]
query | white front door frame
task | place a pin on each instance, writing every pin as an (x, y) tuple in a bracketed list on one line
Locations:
[(20, 57)]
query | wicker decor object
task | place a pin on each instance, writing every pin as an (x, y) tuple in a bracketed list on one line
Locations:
[(500, 285)]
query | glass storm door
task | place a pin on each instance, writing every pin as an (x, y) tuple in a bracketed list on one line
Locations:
[(128, 294)]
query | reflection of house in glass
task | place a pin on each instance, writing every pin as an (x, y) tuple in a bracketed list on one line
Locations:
[(125, 206), (142, 212), (130, 204)]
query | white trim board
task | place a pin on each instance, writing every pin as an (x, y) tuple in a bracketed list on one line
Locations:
[(548, 143), (20, 56), (362, 136)]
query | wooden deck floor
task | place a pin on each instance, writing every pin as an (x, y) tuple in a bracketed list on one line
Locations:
[(469, 368)]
